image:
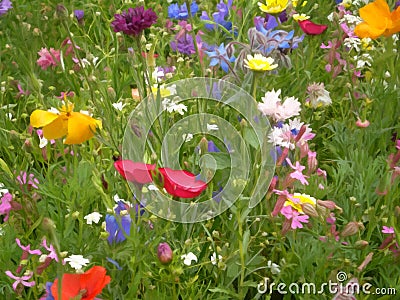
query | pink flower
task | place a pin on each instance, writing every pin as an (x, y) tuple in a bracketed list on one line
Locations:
[(53, 253), (362, 124), (28, 248), (5, 205), (30, 180), (298, 173), (398, 144), (48, 58), (297, 218), (272, 106), (387, 229), (21, 280), (321, 172)]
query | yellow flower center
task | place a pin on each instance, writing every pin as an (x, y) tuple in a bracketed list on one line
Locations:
[(300, 199)]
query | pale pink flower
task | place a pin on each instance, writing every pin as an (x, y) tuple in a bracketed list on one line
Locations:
[(295, 216), (272, 106), (28, 248), (298, 173), (48, 58), (21, 280), (5, 205)]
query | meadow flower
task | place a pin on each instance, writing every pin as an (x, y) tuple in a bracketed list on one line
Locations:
[(5, 5), (298, 173), (164, 253), (30, 180), (310, 28), (219, 56), (387, 230), (297, 200), (6, 205), (181, 183), (180, 12), (296, 218), (27, 248), (362, 124), (188, 258), (171, 106), (212, 127), (77, 261), (275, 269), (50, 248), (93, 217), (76, 126), (81, 286), (21, 280), (214, 260), (318, 95), (273, 107), (259, 62), (79, 14), (184, 44), (273, 6), (300, 17), (136, 172), (378, 20), (286, 135), (118, 227), (219, 16), (48, 58), (118, 105), (134, 20)]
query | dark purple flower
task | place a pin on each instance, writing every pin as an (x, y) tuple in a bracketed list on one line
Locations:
[(79, 14), (5, 5), (183, 44), (397, 4), (134, 21)]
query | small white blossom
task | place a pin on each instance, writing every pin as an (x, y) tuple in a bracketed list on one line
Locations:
[(214, 260), (77, 261), (43, 142), (188, 258), (119, 105), (187, 137), (3, 191), (94, 217), (275, 269)]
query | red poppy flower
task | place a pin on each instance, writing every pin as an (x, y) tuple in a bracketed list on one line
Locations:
[(311, 28), (86, 285), (182, 183), (136, 172)]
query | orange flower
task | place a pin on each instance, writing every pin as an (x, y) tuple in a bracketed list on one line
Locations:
[(76, 126), (378, 20), (82, 286)]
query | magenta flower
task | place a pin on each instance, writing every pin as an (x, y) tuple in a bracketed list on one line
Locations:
[(5, 205), (53, 253), (387, 229), (28, 248), (134, 21), (21, 280), (298, 173), (30, 180), (48, 58)]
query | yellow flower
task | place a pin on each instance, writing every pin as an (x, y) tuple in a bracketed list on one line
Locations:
[(300, 17), (298, 200), (259, 63), (273, 6), (76, 126), (295, 2)]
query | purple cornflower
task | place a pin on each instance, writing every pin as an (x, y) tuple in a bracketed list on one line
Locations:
[(181, 12), (219, 16), (134, 21), (220, 56), (184, 44), (5, 5), (79, 14)]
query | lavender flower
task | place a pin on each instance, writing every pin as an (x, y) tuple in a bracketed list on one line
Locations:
[(5, 5), (181, 12), (134, 21), (219, 16), (79, 14)]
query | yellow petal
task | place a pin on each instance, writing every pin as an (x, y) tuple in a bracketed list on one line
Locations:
[(56, 129), (40, 118), (80, 128)]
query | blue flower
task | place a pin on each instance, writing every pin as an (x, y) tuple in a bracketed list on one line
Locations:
[(181, 12), (219, 16), (116, 229), (212, 147), (219, 56), (49, 295)]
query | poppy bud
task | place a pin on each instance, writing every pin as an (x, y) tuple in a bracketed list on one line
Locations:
[(164, 253)]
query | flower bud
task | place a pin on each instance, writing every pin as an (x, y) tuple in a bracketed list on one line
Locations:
[(361, 244), (203, 145), (362, 124), (352, 228), (48, 224), (164, 253), (309, 209)]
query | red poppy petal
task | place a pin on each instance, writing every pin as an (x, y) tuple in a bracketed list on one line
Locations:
[(311, 28), (181, 183), (135, 171), (93, 281)]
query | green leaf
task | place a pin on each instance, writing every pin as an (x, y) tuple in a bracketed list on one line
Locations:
[(250, 136)]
